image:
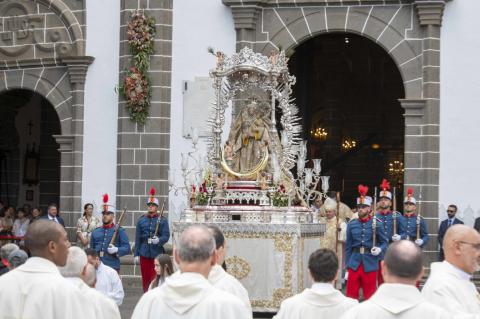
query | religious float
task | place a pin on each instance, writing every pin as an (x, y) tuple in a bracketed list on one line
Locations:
[(246, 184)]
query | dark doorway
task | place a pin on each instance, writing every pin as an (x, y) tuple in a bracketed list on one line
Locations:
[(347, 91), (29, 157)]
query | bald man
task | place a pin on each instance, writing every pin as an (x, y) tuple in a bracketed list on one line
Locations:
[(398, 297), (36, 289), (187, 294), (449, 285)]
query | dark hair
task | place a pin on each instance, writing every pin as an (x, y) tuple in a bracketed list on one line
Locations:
[(454, 206), (404, 263), (85, 207), (217, 235), (53, 205), (167, 268), (91, 252), (323, 265)]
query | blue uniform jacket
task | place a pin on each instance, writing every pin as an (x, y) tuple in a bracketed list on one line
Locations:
[(100, 240), (145, 230), (387, 227), (360, 234), (411, 229)]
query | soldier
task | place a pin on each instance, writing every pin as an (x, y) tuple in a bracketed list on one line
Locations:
[(365, 242), (151, 234), (415, 226), (101, 238), (393, 222)]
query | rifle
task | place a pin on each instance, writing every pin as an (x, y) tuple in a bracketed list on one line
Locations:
[(336, 222), (120, 220), (394, 214), (158, 219), (374, 221), (418, 214)]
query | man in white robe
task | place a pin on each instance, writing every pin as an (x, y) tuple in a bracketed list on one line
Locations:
[(108, 281), (398, 297), (187, 294), (219, 278), (322, 300), (36, 289), (449, 285), (74, 271)]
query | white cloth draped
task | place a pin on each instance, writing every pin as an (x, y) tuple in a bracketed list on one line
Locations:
[(395, 301), (451, 289), (37, 290), (105, 308), (321, 301), (189, 295), (222, 280), (109, 283)]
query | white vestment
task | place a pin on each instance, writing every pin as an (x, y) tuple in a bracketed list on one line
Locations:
[(222, 280), (321, 301), (105, 308), (396, 301), (109, 283), (451, 289), (189, 296), (37, 290)]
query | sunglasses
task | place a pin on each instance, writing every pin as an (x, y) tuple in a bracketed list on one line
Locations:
[(474, 245)]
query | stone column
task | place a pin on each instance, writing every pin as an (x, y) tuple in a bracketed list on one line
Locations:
[(71, 146), (245, 15)]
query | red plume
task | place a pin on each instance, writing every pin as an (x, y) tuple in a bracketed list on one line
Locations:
[(105, 198), (362, 190), (409, 191), (385, 185), (152, 191)]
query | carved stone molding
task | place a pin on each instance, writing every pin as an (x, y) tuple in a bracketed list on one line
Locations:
[(65, 142), (245, 17), (430, 12), (77, 67), (413, 108)]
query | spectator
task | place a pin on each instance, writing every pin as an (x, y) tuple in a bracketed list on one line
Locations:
[(36, 214), (449, 285), (86, 225), (398, 297), (108, 281), (53, 214), (187, 293), (163, 268), (218, 277), (17, 258), (6, 222), (5, 251), (322, 300), (444, 225), (74, 271), (49, 294), (20, 225)]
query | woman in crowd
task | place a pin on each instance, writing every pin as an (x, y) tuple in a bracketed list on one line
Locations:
[(36, 214), (164, 268), (86, 225), (20, 225)]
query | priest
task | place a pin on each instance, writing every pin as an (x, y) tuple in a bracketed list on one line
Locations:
[(36, 289), (449, 285), (187, 294)]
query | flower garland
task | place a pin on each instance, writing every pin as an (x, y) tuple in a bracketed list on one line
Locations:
[(136, 85)]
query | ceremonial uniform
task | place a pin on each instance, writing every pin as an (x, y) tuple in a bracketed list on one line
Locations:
[(414, 222), (148, 242), (100, 241)]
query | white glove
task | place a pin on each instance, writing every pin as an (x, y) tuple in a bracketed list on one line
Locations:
[(376, 251), (419, 242), (136, 260), (112, 249), (396, 237), (155, 240)]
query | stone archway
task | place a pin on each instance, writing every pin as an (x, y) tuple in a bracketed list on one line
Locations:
[(409, 32), (48, 58)]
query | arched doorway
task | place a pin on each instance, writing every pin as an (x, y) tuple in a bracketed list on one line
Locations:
[(29, 157), (347, 91)]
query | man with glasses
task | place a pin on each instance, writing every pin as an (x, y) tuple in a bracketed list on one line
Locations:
[(415, 226), (449, 285), (451, 220)]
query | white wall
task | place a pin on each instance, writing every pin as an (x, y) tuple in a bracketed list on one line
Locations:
[(460, 105), (196, 26), (101, 102)]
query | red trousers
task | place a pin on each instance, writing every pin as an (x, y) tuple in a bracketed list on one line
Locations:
[(361, 279), (147, 268), (380, 276)]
